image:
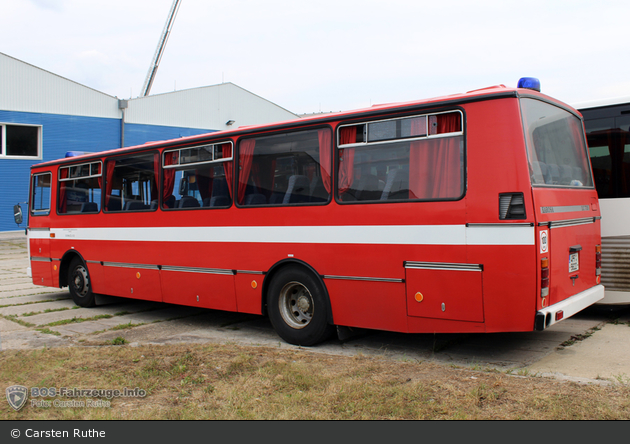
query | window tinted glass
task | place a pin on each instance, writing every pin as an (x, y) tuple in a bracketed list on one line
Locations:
[(608, 136), (285, 169), (131, 183), (411, 158), (555, 146), (22, 140), (40, 194)]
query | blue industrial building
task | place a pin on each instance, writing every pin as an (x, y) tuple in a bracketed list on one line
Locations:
[(43, 116)]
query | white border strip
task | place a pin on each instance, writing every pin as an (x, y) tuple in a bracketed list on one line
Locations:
[(345, 234)]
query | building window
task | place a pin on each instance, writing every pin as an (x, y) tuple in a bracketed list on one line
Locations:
[(21, 141)]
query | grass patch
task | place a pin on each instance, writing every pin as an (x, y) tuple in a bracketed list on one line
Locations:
[(577, 338), (14, 318), (126, 326), (48, 331), (75, 320), (48, 310), (32, 302), (119, 341), (227, 382)]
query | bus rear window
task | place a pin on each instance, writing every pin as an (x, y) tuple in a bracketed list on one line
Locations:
[(555, 146)]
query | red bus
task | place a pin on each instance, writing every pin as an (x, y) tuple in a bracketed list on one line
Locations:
[(473, 212)]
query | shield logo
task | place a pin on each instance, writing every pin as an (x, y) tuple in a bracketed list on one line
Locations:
[(17, 396)]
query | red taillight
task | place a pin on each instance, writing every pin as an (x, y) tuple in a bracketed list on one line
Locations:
[(598, 260), (559, 315), (544, 277)]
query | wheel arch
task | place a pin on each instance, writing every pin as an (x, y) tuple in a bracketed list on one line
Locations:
[(66, 260), (275, 268)]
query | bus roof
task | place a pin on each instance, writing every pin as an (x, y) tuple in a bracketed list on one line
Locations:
[(602, 102), (492, 92)]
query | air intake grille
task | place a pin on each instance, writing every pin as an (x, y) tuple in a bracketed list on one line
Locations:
[(512, 206)]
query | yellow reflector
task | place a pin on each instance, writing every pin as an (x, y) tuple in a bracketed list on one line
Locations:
[(52, 234), (598, 248), (254, 284), (138, 275), (544, 262), (419, 297)]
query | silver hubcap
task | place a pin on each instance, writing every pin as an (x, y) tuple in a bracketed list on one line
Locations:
[(81, 281), (296, 305)]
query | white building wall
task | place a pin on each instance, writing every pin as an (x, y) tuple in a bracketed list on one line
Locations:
[(206, 107), (26, 88)]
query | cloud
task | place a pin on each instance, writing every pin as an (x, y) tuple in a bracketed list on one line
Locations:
[(53, 5)]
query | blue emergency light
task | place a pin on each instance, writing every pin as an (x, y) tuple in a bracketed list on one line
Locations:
[(529, 83), (76, 153)]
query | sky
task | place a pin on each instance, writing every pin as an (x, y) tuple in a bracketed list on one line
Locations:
[(328, 55)]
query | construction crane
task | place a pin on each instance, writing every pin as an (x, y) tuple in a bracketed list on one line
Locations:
[(160, 48)]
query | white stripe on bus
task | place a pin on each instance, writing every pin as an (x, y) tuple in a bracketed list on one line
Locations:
[(345, 234)]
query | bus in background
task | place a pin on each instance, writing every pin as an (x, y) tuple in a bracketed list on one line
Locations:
[(474, 212), (607, 124)]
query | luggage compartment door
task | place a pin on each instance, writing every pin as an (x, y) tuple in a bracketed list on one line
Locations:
[(444, 291)]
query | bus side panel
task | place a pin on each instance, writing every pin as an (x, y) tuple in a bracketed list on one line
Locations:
[(363, 304), (445, 294), (42, 273), (136, 283), (509, 285), (199, 289), (248, 289), (41, 266)]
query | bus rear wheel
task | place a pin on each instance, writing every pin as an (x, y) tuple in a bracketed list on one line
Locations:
[(79, 284), (297, 306)]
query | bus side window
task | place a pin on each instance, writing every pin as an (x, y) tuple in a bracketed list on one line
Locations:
[(285, 169), (40, 194), (131, 183), (401, 159), (196, 177)]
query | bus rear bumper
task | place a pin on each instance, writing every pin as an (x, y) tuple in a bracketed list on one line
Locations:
[(548, 316)]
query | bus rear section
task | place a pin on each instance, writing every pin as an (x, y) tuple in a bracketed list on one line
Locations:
[(566, 211)]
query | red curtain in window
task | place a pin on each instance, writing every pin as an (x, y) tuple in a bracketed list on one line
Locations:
[(109, 185), (347, 134), (324, 137), (245, 157), (63, 204), (156, 175), (100, 178), (227, 166), (434, 164), (169, 176)]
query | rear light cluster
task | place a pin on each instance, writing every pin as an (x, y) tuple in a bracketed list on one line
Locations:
[(544, 280), (598, 263)]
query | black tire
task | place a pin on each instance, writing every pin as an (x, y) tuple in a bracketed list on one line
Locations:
[(79, 284), (297, 305)]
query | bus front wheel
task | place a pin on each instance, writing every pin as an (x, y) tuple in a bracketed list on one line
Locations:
[(296, 303), (79, 284)]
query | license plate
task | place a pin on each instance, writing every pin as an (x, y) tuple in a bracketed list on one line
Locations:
[(574, 262)]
